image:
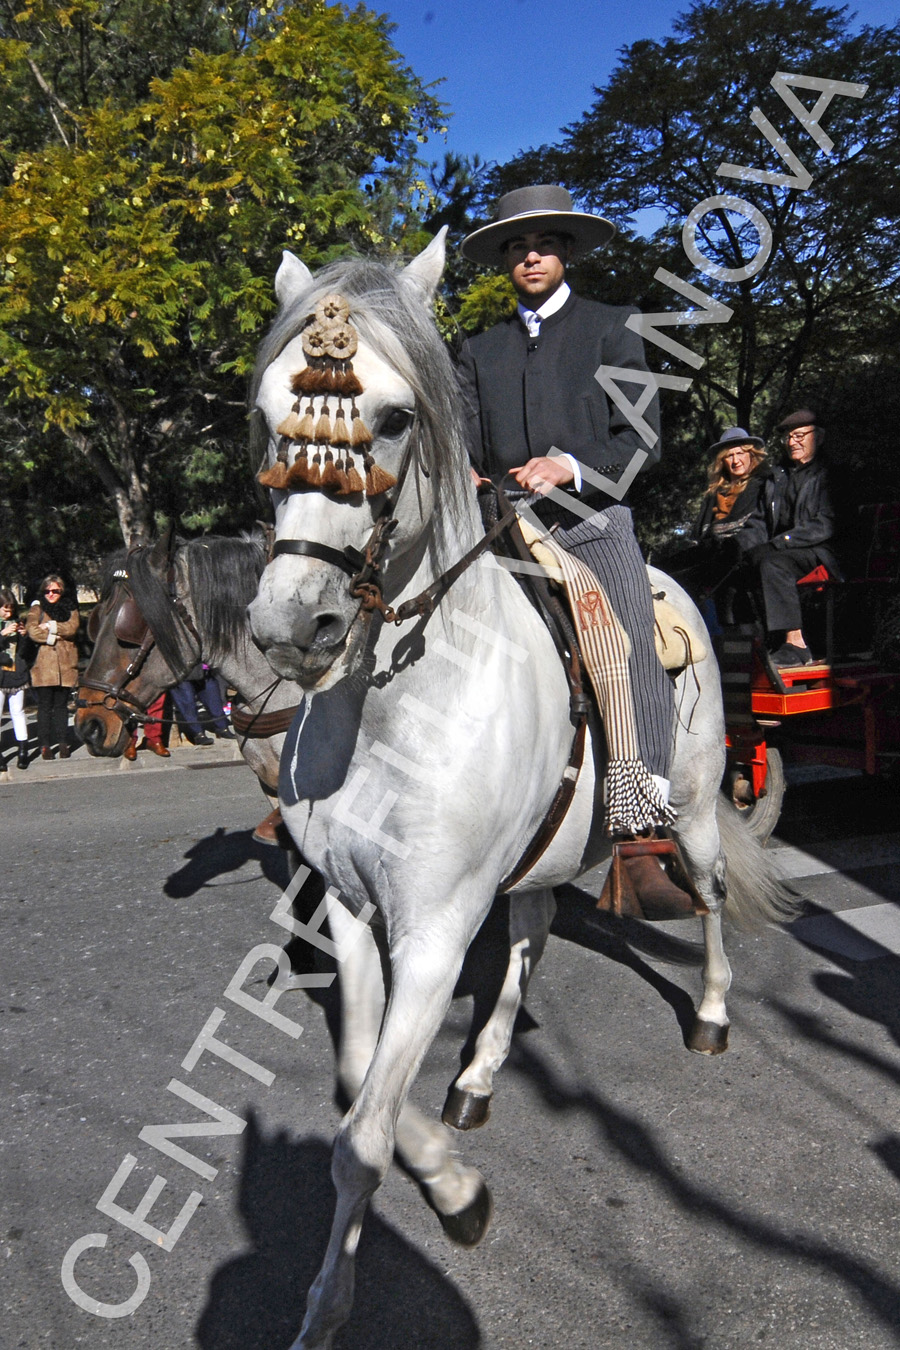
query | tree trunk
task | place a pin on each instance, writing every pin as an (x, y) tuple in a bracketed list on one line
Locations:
[(123, 485)]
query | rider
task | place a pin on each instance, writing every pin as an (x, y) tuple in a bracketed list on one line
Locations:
[(536, 412)]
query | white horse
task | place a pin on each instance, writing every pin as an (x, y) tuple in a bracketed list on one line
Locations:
[(426, 757)]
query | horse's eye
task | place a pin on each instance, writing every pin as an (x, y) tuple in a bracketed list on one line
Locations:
[(396, 422)]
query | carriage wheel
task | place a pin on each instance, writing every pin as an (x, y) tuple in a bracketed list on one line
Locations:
[(760, 813)]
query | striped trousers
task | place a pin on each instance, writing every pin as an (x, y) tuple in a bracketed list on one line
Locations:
[(607, 545)]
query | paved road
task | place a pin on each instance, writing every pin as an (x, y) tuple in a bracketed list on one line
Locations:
[(645, 1197)]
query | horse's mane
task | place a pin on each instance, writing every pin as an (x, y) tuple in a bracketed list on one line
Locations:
[(393, 320), (112, 564), (222, 575)]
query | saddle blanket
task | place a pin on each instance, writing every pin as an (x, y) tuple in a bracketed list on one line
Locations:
[(634, 803)]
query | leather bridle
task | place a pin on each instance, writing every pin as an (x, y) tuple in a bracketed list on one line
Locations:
[(116, 697), (364, 569)]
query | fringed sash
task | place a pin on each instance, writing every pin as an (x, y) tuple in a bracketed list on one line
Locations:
[(634, 803)]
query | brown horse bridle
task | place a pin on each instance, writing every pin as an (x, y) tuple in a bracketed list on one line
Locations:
[(132, 629)]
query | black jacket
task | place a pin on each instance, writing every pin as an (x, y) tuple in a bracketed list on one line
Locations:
[(805, 510), (526, 397), (13, 669), (754, 510)]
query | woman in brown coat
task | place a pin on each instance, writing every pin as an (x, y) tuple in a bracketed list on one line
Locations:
[(52, 623)]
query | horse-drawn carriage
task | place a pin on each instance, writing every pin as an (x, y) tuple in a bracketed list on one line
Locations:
[(842, 711)]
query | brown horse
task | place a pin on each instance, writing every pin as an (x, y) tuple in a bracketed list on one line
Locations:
[(163, 608)]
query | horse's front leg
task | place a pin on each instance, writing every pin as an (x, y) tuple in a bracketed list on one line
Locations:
[(468, 1102), (425, 965), (455, 1192)]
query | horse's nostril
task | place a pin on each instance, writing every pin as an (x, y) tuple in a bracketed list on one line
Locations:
[(329, 630), (91, 731)]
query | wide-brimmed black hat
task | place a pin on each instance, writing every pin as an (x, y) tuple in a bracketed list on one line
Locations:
[(803, 417), (733, 436), (543, 207)]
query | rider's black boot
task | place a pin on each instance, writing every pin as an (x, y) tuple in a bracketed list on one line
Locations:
[(22, 760)]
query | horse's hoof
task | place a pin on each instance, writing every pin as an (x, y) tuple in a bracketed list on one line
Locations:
[(707, 1038), (465, 1110), (469, 1226)]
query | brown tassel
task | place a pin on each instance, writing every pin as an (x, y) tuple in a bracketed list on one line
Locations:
[(329, 473), (323, 426), (298, 473), (342, 477), (306, 381), (340, 434), (378, 480), (346, 382), (290, 427), (307, 428), (314, 473), (359, 432), (354, 482), (329, 381), (275, 476)]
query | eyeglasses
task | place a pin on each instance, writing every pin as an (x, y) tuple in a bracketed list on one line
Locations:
[(53, 590), (800, 434)]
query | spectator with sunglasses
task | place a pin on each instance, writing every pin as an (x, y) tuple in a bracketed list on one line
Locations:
[(52, 624)]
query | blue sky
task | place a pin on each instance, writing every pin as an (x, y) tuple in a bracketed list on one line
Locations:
[(516, 71)]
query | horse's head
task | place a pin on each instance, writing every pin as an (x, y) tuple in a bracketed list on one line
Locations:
[(141, 646), (352, 445)]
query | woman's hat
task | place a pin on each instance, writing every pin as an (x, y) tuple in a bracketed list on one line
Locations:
[(734, 436), (543, 207)]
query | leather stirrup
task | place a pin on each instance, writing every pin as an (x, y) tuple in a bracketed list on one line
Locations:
[(636, 887)]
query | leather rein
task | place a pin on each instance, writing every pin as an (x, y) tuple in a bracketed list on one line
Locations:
[(126, 705), (364, 570)]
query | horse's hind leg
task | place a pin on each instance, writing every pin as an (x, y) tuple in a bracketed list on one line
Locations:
[(425, 967), (468, 1102), (703, 855)]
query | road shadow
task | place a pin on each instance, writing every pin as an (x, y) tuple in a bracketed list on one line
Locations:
[(257, 1300), (223, 852), (638, 1148), (623, 940)]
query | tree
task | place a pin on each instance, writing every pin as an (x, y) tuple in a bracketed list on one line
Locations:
[(160, 158), (813, 323)]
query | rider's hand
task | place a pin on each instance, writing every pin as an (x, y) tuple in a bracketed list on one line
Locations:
[(542, 474)]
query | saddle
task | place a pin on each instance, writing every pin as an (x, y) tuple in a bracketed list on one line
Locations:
[(637, 885), (678, 642)]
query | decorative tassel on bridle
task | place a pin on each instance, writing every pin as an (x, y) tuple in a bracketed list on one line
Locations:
[(318, 452)]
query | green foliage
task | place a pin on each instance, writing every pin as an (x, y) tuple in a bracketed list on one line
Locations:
[(486, 301), (816, 323), (164, 156)]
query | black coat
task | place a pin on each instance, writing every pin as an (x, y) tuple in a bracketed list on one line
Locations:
[(13, 668), (525, 397), (805, 512)]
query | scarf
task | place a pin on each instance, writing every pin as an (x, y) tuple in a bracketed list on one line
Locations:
[(60, 610)]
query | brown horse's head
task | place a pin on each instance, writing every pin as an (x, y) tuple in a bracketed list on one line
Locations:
[(132, 663)]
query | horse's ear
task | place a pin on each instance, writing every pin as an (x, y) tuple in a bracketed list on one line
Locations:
[(292, 278), (425, 271), (160, 553)]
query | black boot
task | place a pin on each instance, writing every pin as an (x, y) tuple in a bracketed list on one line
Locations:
[(22, 760)]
